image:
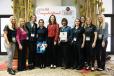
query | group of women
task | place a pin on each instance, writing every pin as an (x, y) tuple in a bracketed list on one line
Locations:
[(54, 46)]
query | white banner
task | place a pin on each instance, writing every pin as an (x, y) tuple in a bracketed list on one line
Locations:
[(60, 12)]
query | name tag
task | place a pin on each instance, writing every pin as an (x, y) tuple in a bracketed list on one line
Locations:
[(13, 39), (37, 36), (63, 36), (100, 36), (75, 39), (87, 38), (32, 35)]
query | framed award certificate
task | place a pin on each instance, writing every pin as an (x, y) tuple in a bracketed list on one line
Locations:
[(63, 36)]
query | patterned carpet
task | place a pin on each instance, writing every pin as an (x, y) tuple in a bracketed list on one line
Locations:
[(58, 71), (3, 65)]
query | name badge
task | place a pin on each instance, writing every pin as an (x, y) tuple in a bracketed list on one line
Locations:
[(75, 39), (100, 36), (87, 38), (13, 39), (37, 35), (32, 35)]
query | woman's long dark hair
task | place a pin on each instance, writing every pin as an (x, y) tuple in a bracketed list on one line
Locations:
[(79, 21), (54, 20)]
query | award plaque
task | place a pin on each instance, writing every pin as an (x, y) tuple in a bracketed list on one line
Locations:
[(63, 36)]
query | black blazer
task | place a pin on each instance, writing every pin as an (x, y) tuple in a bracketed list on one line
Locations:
[(31, 30)]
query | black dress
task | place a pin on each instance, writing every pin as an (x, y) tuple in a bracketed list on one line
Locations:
[(41, 37)]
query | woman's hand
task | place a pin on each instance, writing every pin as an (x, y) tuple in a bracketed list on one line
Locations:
[(93, 45), (45, 45), (7, 44), (55, 42), (82, 46), (59, 41), (38, 45), (20, 47)]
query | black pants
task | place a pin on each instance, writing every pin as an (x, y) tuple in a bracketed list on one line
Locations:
[(31, 53), (40, 59), (52, 58), (65, 54), (22, 56), (84, 57), (58, 55), (101, 54), (90, 54), (77, 55)]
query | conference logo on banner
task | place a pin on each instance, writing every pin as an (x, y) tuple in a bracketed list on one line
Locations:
[(60, 12)]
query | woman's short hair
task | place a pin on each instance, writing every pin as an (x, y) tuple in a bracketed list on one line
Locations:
[(64, 20)]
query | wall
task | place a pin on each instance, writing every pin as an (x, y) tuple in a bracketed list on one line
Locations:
[(5, 7), (48, 3)]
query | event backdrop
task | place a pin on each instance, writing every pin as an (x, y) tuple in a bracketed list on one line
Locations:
[(60, 12)]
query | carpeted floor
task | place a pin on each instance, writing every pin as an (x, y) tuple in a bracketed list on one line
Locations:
[(3, 66), (58, 71)]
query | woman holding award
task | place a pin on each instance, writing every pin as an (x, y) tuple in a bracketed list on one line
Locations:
[(65, 38)]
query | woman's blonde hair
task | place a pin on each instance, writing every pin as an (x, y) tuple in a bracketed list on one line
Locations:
[(11, 17), (19, 22), (86, 20), (103, 22), (10, 23)]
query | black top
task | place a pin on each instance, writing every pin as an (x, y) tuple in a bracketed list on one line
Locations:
[(41, 34), (89, 31), (10, 33), (77, 34)]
